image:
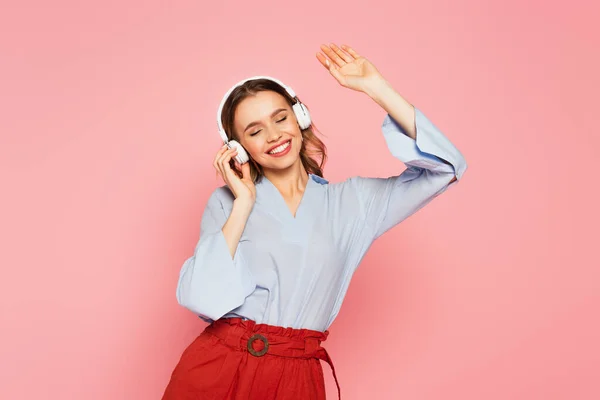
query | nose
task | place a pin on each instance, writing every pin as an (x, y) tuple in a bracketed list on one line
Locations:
[(274, 134)]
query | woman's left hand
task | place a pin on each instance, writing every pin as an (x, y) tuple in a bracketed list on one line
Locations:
[(350, 69)]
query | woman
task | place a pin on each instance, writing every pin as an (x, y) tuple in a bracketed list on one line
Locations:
[(279, 243)]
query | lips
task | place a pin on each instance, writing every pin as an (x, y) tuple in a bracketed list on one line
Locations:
[(279, 144)]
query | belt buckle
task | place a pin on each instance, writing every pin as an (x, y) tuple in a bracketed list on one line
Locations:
[(263, 339)]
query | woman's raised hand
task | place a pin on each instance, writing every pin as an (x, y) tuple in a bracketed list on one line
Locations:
[(242, 188), (350, 69)]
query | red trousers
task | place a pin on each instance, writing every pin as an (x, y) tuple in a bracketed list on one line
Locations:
[(237, 359)]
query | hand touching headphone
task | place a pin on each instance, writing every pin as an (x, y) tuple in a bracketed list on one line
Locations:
[(300, 110)]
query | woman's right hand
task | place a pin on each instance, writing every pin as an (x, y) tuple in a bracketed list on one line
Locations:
[(243, 189)]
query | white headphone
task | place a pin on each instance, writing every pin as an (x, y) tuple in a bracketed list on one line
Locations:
[(300, 110)]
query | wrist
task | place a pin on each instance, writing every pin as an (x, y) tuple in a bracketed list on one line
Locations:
[(243, 205), (377, 89)]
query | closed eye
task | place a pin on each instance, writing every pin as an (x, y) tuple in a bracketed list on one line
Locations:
[(282, 119)]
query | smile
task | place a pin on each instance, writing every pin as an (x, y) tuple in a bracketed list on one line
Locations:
[(280, 150)]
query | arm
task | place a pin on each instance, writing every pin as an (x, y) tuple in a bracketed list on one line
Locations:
[(382, 93), (398, 108), (404, 115), (235, 224), (215, 280), (433, 164)]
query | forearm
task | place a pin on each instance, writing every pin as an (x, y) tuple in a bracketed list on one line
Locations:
[(394, 104), (235, 225)]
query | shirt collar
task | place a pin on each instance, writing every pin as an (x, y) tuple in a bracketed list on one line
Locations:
[(318, 179)]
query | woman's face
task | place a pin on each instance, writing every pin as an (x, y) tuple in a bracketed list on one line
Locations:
[(264, 123)]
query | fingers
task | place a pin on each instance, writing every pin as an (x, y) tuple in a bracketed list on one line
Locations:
[(221, 150), (333, 70), (336, 57), (347, 58), (350, 51), (333, 55), (221, 162), (324, 60), (246, 170)]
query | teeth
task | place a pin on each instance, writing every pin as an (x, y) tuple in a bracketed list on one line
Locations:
[(280, 148)]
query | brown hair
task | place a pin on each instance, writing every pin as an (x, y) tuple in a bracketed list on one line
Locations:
[(311, 145)]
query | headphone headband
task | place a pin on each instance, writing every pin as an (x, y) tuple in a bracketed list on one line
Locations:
[(222, 133)]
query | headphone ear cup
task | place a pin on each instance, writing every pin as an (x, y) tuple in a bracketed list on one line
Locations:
[(242, 156), (302, 115)]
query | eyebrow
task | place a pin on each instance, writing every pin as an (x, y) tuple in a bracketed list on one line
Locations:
[(251, 124)]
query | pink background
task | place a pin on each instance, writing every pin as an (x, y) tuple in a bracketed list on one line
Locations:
[(108, 131)]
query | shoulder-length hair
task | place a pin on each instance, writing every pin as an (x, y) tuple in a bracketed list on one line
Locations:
[(312, 149)]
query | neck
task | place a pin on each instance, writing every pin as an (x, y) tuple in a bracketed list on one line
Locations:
[(291, 181)]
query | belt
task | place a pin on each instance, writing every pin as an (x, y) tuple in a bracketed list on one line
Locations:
[(243, 334)]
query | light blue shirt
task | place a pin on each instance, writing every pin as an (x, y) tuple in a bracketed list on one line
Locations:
[(294, 272)]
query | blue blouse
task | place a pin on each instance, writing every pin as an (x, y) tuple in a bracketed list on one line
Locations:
[(294, 271)]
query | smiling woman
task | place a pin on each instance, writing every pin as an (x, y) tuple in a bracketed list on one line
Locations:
[(266, 99), (279, 244)]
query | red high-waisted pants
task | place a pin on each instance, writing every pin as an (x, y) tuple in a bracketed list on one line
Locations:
[(237, 359)]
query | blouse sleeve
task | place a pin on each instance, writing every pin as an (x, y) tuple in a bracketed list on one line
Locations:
[(211, 283), (431, 160)]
